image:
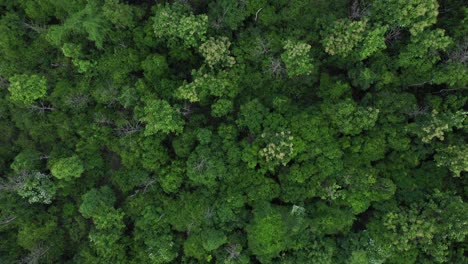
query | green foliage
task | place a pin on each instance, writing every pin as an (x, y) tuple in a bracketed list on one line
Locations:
[(216, 52), (349, 118), (416, 227), (296, 58), (279, 149), (343, 36), (422, 54), (121, 15), (25, 89), (373, 42), (205, 166), (205, 85), (95, 201), (173, 24), (213, 239), (233, 132), (155, 66), (415, 15), (108, 221), (37, 188), (347, 38), (252, 115), (436, 125), (67, 168), (225, 13), (267, 233), (455, 157), (89, 21), (221, 107), (160, 116), (25, 161)]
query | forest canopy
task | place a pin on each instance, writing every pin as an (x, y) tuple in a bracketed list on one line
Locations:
[(233, 131)]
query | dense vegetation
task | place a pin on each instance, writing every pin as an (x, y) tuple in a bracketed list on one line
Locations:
[(233, 131)]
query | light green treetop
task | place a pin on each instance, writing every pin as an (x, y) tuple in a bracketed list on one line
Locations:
[(67, 168), (172, 24), (26, 89), (296, 58), (160, 116)]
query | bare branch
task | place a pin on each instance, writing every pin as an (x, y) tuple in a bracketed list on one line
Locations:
[(101, 119), (8, 219), (358, 10), (186, 110), (209, 213), (144, 187), (44, 157), (276, 67), (460, 53), (449, 90), (131, 127), (35, 255), (420, 84), (14, 183), (78, 100), (256, 13), (41, 108), (35, 27), (393, 34), (419, 111), (233, 251), (201, 165), (3, 81), (263, 46), (189, 228)]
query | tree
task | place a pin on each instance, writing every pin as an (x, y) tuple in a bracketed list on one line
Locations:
[(354, 39), (67, 168), (205, 167), (37, 188), (27, 160), (233, 131), (454, 157), (279, 149), (422, 53), (25, 89), (296, 58), (160, 116), (415, 15), (437, 125), (155, 66), (267, 233), (350, 118), (206, 85), (343, 36), (105, 238), (216, 52), (221, 107), (88, 21), (174, 24), (416, 229), (227, 14)]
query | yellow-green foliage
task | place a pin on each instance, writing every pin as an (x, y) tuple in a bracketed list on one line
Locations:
[(296, 58), (455, 157), (216, 52), (172, 24), (67, 168), (233, 131), (343, 36), (413, 14), (439, 124), (25, 89), (279, 148)]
